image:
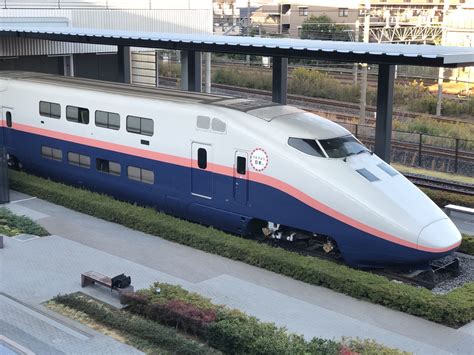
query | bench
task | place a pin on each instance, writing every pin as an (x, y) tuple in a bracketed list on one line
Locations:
[(93, 277), (461, 209)]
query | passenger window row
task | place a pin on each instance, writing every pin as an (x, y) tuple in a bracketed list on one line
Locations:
[(103, 119), (102, 165)]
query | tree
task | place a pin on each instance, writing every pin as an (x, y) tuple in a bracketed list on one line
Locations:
[(323, 28)]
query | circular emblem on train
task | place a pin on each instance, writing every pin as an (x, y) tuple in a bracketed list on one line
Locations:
[(259, 159)]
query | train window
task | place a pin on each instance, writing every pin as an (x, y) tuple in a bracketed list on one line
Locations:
[(49, 109), (203, 122), (138, 174), (77, 114), (308, 146), (241, 165), (342, 147), (108, 167), (51, 153), (388, 169), (202, 158), (84, 161), (368, 175), (140, 125), (8, 116), (107, 120), (218, 125)]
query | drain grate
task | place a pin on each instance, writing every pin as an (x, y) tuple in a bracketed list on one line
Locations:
[(25, 237)]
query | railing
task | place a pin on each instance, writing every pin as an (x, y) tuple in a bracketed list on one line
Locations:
[(423, 146)]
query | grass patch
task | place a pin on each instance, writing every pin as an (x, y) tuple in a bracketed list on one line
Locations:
[(454, 309), (121, 325), (431, 173), (12, 224)]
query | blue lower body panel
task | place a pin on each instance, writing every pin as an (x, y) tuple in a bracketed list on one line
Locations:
[(172, 194)]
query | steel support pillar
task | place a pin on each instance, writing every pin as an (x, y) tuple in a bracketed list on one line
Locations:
[(124, 64), (383, 128), (4, 188), (191, 77), (68, 62), (280, 80)]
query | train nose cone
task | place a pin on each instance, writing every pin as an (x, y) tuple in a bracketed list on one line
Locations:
[(440, 236)]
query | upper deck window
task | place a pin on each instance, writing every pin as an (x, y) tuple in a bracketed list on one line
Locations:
[(77, 114), (49, 109), (140, 125), (107, 120)]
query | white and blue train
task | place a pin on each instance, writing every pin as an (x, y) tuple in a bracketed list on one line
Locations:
[(237, 164)]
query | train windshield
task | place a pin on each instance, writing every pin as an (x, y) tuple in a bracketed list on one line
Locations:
[(342, 147)]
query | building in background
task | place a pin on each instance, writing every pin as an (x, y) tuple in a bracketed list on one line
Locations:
[(459, 25), (92, 61), (287, 17), (226, 15)]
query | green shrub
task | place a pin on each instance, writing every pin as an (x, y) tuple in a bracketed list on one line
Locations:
[(447, 309), (254, 79), (467, 245), (11, 224), (234, 332), (134, 325), (443, 198)]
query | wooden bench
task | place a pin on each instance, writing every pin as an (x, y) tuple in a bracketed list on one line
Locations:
[(461, 209), (93, 277)]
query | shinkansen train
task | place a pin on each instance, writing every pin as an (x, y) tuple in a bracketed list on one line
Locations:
[(241, 165)]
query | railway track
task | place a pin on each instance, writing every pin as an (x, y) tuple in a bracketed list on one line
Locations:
[(436, 272), (443, 185), (305, 102)]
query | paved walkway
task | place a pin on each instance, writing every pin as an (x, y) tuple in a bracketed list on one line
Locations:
[(81, 243), (464, 222)]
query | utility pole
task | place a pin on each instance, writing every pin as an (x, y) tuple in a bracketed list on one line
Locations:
[(439, 97), (248, 29), (363, 88), (207, 58), (356, 39)]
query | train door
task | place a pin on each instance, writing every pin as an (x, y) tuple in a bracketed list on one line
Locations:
[(241, 174), (7, 123), (201, 174)]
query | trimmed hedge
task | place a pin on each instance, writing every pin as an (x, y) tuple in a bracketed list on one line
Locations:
[(467, 245), (454, 309), (443, 198), (150, 331), (234, 332), (12, 224)]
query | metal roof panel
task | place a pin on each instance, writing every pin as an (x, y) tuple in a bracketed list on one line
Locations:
[(332, 50)]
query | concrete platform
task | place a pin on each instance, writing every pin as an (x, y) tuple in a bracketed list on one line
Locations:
[(81, 243)]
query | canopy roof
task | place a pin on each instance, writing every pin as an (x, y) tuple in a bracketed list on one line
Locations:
[(426, 55)]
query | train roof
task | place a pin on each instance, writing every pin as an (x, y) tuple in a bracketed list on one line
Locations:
[(263, 109), (301, 122)]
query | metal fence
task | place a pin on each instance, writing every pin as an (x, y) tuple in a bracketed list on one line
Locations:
[(458, 153)]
